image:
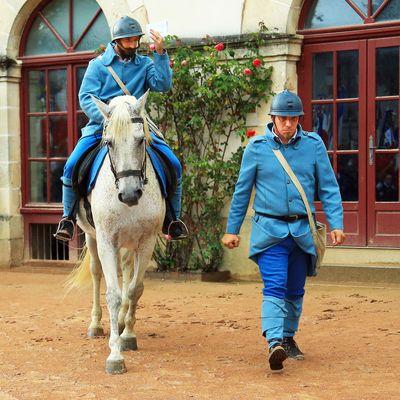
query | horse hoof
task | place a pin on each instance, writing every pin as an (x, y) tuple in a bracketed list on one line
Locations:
[(128, 344), (115, 367), (95, 332)]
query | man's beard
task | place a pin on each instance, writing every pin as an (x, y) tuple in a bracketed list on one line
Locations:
[(127, 53)]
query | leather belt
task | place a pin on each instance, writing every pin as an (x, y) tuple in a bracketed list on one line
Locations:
[(286, 218)]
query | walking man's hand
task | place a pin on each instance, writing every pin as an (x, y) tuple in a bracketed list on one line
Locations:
[(230, 241), (337, 237)]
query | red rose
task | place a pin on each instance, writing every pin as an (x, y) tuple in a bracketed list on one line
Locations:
[(152, 46), (219, 46), (247, 71), (171, 63), (256, 62), (184, 63), (250, 133)]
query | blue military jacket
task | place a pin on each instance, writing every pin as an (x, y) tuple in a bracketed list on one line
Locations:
[(276, 194), (137, 75)]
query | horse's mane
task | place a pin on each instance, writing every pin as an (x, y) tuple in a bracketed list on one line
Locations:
[(120, 119)]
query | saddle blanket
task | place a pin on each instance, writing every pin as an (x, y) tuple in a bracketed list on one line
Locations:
[(158, 165)]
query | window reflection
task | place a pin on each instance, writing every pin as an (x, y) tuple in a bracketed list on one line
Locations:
[(37, 91), (322, 123), (58, 136), (387, 181), (387, 124), (387, 71), (322, 76), (347, 63), (390, 12), (58, 90), (56, 171), (347, 176), (38, 174), (347, 126)]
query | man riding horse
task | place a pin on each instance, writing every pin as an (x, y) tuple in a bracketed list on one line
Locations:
[(138, 73)]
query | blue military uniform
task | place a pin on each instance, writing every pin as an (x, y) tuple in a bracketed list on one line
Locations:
[(284, 251), (139, 74)]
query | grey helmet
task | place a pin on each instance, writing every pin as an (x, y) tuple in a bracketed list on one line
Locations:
[(126, 27), (286, 104)]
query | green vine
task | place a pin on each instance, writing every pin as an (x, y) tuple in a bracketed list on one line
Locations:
[(204, 119)]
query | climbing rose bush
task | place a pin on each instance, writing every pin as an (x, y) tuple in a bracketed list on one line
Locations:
[(204, 120)]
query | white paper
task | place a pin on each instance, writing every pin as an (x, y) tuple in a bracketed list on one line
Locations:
[(160, 26)]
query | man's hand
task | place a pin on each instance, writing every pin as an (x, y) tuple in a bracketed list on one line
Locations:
[(337, 237), (158, 41), (230, 241)]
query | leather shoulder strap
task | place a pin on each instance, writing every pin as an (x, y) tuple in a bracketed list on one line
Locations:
[(120, 83), (300, 189)]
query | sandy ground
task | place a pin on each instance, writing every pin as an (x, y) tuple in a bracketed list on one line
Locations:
[(197, 341)]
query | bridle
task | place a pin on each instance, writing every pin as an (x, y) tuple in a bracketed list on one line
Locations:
[(141, 173)]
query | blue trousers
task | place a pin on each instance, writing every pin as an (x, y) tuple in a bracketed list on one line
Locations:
[(69, 196), (283, 269)]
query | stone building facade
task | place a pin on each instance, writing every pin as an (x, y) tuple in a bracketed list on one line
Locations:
[(330, 52)]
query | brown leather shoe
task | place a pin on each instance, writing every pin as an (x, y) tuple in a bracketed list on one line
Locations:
[(277, 355), (65, 230)]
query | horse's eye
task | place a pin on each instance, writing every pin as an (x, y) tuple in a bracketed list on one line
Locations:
[(108, 143)]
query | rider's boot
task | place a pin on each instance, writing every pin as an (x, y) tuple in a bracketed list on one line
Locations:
[(66, 227)]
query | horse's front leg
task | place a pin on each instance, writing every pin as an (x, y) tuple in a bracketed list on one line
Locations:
[(127, 270), (108, 255), (95, 327), (135, 290)]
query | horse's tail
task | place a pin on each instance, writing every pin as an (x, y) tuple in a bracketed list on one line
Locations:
[(80, 276)]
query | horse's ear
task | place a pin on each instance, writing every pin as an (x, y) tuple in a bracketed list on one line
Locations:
[(141, 102), (104, 108)]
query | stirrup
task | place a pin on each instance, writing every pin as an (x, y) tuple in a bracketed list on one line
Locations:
[(177, 230), (65, 230)]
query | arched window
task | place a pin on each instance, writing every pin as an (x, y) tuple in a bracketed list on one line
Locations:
[(60, 38), (328, 13)]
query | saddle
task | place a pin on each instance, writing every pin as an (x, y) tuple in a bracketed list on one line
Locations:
[(86, 169)]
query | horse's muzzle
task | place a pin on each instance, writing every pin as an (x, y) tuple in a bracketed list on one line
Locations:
[(130, 200)]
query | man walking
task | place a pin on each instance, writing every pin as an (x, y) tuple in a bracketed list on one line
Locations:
[(281, 242)]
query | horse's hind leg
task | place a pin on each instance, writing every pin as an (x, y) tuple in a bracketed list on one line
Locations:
[(108, 255), (95, 328), (135, 291)]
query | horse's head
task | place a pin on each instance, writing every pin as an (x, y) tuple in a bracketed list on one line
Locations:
[(125, 133)]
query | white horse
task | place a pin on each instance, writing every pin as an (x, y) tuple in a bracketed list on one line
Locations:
[(128, 211)]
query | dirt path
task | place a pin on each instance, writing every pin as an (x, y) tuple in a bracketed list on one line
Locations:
[(197, 341)]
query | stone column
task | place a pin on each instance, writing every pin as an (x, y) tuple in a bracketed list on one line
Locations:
[(11, 226)]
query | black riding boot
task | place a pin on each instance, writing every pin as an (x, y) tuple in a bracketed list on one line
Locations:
[(277, 355), (66, 229), (292, 349)]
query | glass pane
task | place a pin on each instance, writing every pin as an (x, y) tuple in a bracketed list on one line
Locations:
[(56, 171), (84, 11), (58, 89), (347, 86), (80, 72), (362, 5), (41, 40), (57, 13), (387, 181), (325, 13), (322, 123), (347, 126), (98, 34), (390, 12), (37, 91), (387, 71), (322, 76), (387, 124), (38, 173), (376, 4), (37, 136), (82, 120), (347, 176), (58, 128)]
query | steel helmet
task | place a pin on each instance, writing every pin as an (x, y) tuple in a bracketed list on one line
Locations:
[(286, 104), (126, 27)]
